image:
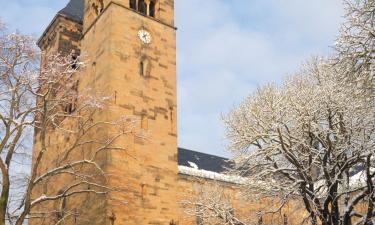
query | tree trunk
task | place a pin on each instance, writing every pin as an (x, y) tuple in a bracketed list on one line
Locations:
[(4, 195)]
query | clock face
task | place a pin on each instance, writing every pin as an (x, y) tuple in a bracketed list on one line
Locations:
[(145, 36)]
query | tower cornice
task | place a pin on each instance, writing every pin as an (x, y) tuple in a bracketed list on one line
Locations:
[(127, 8), (51, 24)]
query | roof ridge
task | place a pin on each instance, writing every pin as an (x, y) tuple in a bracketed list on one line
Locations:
[(203, 153)]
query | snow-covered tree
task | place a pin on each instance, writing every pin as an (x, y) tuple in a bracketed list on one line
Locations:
[(46, 102), (355, 46), (311, 140), (304, 140), (210, 203)]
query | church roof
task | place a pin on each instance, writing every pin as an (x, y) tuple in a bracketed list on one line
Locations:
[(203, 161), (74, 10)]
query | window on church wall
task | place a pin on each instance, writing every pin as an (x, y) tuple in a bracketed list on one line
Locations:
[(71, 105), (152, 9), (74, 62), (98, 7), (142, 68), (101, 6), (133, 4), (142, 7), (95, 8), (69, 108)]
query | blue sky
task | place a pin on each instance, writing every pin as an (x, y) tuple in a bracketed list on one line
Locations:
[(225, 49)]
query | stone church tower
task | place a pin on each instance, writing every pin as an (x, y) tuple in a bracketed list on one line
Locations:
[(130, 47)]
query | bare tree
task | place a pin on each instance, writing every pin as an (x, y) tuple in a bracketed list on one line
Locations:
[(47, 107)]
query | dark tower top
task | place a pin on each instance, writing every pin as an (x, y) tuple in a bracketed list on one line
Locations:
[(64, 32), (74, 10)]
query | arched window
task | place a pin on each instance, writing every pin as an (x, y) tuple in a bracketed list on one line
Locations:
[(142, 7), (152, 8), (133, 4)]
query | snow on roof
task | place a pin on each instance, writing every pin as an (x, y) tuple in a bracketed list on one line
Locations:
[(210, 175), (205, 166), (193, 165), (359, 179), (203, 161), (356, 181)]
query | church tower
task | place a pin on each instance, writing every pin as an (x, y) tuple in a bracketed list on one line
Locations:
[(131, 47), (130, 51)]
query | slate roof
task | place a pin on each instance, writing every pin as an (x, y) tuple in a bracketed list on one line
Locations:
[(74, 10), (203, 161)]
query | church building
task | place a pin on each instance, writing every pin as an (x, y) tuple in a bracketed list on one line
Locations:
[(131, 47)]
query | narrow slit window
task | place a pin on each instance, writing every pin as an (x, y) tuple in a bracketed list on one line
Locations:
[(152, 9), (142, 68)]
